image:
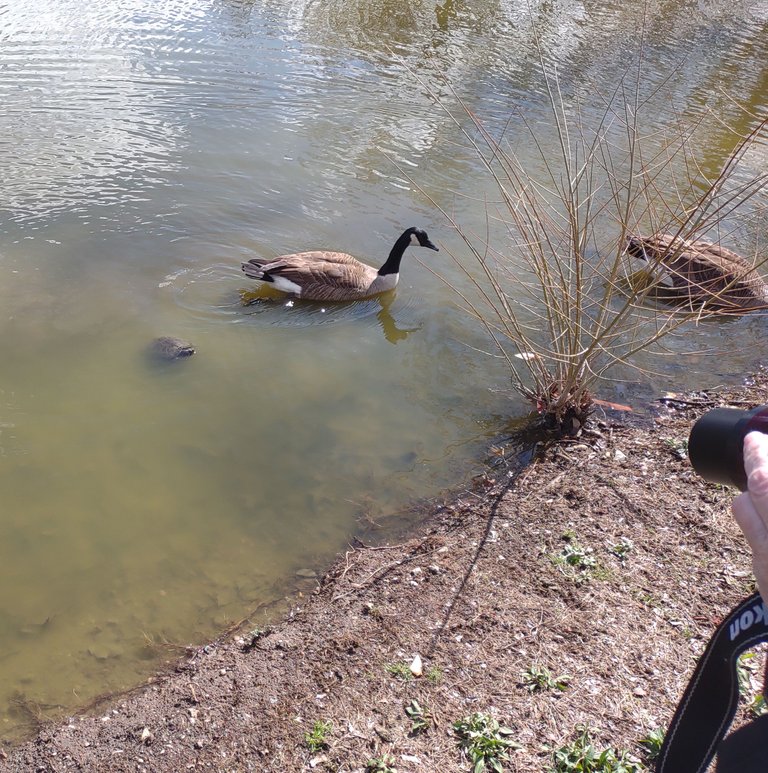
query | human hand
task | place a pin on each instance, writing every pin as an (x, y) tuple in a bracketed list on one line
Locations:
[(750, 509)]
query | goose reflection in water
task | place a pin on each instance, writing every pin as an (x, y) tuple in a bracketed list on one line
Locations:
[(272, 307), (388, 323)]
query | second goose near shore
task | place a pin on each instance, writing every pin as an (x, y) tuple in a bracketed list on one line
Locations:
[(322, 275), (704, 272)]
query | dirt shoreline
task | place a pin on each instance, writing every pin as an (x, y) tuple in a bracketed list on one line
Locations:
[(607, 560)]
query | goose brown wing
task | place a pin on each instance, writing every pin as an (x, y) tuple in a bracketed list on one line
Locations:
[(719, 274), (322, 272), (720, 257), (705, 270)]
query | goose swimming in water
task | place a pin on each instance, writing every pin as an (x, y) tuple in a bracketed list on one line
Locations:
[(706, 272), (334, 276)]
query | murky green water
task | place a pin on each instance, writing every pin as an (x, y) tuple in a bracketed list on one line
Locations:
[(145, 150)]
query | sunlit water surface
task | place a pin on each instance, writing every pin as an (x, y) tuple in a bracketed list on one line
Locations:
[(146, 148)]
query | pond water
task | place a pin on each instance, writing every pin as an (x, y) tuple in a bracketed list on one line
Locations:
[(146, 148)]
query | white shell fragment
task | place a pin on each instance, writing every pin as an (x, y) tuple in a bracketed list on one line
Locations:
[(417, 668)]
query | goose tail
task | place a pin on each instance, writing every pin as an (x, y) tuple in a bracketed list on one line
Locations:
[(253, 270)]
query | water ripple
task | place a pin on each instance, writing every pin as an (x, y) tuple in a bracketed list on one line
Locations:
[(104, 99)]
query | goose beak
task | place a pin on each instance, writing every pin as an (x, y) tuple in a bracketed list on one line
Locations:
[(428, 244)]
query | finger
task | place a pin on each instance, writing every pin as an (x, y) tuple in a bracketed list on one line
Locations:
[(755, 450), (751, 512), (751, 522), (756, 467)]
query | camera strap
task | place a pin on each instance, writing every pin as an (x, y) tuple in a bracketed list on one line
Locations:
[(709, 702)]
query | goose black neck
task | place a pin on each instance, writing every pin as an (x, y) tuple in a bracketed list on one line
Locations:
[(392, 265)]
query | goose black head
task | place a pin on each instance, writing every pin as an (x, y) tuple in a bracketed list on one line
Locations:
[(636, 247), (419, 238)]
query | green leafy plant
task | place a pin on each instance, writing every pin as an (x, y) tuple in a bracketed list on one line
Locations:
[(400, 670), (420, 717), (248, 641), (581, 756), (316, 738), (648, 599), (758, 707), (678, 447), (434, 674), (622, 549), (484, 741), (745, 668), (651, 744), (573, 554), (539, 678), (383, 764)]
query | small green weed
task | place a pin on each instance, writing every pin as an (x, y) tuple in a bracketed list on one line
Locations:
[(745, 668), (420, 717), (434, 674), (316, 738), (574, 554), (648, 599), (758, 706), (678, 447), (484, 741), (539, 678), (383, 764), (581, 756), (577, 558), (248, 641), (400, 670), (372, 611), (622, 549), (651, 744)]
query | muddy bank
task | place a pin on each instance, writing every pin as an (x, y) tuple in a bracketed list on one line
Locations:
[(607, 562)]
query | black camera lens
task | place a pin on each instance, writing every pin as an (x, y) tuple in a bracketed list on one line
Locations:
[(715, 446)]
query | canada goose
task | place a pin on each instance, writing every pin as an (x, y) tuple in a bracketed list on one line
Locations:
[(334, 276), (706, 272)]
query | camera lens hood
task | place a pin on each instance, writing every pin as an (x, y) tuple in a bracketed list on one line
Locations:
[(715, 445)]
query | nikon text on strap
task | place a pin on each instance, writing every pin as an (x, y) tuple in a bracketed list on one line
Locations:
[(709, 703)]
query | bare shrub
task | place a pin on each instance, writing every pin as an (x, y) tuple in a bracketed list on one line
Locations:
[(555, 290)]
